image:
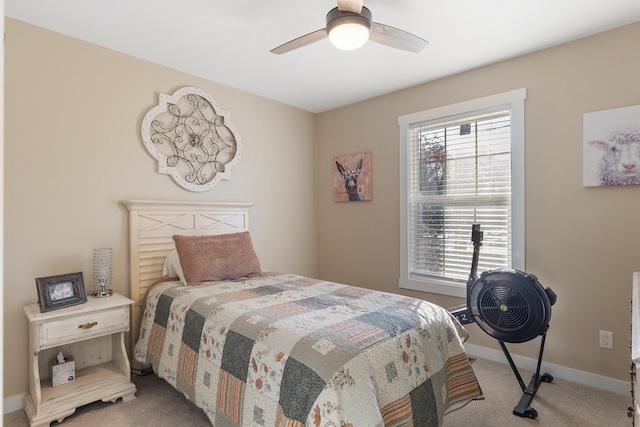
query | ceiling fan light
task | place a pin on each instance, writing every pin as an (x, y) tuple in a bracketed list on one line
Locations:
[(349, 36)]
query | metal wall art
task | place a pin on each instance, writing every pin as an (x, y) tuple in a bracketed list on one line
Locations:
[(192, 139)]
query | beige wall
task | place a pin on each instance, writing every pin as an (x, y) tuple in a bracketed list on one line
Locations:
[(73, 151), (581, 242)]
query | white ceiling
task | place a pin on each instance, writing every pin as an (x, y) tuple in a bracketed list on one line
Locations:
[(228, 41)]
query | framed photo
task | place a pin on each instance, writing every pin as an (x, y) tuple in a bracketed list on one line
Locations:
[(60, 291)]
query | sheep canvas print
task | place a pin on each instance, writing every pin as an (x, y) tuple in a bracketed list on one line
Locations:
[(612, 147), (352, 177)]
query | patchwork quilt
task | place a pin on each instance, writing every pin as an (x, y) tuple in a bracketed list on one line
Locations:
[(286, 350)]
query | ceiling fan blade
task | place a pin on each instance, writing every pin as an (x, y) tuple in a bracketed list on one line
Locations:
[(351, 5), (300, 41), (394, 37)]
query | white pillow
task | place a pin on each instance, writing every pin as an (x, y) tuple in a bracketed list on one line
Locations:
[(172, 267)]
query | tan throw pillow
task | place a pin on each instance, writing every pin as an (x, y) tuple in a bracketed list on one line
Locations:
[(212, 258)]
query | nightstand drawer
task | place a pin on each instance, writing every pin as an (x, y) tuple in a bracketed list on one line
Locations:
[(77, 328)]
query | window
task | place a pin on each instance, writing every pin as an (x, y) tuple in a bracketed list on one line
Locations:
[(460, 165)]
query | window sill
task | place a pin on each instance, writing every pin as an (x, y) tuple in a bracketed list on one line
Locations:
[(435, 286)]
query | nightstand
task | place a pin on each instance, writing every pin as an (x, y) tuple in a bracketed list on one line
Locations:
[(93, 333)]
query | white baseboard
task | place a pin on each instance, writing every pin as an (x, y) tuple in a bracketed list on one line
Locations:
[(569, 374), (14, 403)]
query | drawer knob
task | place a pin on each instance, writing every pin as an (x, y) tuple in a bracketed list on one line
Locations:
[(88, 325)]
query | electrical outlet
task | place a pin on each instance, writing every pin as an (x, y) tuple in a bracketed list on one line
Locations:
[(606, 339)]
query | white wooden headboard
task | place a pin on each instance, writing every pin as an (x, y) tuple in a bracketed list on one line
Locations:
[(152, 225)]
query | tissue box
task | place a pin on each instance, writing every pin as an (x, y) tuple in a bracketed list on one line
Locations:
[(63, 373)]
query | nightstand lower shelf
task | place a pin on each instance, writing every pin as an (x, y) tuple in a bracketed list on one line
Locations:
[(60, 402)]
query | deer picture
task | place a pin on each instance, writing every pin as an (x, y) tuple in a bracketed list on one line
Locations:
[(351, 179)]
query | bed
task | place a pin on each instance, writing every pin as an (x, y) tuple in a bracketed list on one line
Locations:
[(260, 348)]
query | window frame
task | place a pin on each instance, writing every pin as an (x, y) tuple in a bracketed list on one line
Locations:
[(514, 101)]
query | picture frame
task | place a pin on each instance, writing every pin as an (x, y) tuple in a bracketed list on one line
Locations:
[(60, 291), (352, 177), (611, 147)]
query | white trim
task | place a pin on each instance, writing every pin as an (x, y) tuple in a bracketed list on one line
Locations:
[(465, 106), (515, 100), (436, 286), (517, 181), (557, 371), (13, 403)]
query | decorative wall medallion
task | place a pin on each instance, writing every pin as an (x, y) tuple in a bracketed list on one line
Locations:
[(192, 139)]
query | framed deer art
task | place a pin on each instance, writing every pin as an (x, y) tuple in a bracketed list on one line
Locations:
[(352, 177)]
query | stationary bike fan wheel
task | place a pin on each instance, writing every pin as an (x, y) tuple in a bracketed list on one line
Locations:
[(510, 305)]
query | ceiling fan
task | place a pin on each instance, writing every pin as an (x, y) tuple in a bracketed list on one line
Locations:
[(349, 26)]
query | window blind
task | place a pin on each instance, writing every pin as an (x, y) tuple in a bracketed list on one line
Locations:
[(459, 174)]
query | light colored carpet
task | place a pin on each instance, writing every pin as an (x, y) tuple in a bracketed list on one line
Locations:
[(560, 403)]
